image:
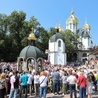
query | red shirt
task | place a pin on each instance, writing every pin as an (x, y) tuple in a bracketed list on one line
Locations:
[(82, 81)]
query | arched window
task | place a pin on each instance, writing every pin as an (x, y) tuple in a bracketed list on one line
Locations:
[(59, 43)]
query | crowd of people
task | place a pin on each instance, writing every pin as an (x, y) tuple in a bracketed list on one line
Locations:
[(52, 79)]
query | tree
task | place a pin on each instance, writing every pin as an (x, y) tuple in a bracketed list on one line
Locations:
[(14, 30), (43, 39), (3, 34), (19, 30), (40, 33), (52, 31), (70, 40)]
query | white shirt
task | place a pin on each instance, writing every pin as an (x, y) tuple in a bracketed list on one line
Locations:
[(44, 83), (72, 79), (30, 79), (12, 80), (36, 79)]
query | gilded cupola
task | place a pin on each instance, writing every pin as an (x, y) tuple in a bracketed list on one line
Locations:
[(32, 36), (59, 27), (86, 26), (72, 19)]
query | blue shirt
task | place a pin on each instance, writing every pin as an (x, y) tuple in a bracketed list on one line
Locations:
[(56, 76), (24, 79)]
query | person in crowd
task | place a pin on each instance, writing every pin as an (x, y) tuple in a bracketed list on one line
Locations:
[(43, 84), (76, 75), (3, 85), (82, 85), (23, 84), (72, 84), (48, 73), (64, 83), (60, 71), (93, 81), (50, 83), (30, 80), (14, 81), (89, 86), (8, 84), (36, 83), (55, 75), (10, 73), (56, 79), (96, 79)]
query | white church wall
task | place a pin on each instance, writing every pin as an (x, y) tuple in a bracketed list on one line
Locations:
[(57, 53), (72, 27), (51, 46), (62, 47), (57, 58), (85, 43), (51, 58), (61, 58)]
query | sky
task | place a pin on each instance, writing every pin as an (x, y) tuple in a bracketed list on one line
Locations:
[(52, 12)]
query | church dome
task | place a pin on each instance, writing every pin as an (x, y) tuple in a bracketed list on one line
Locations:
[(30, 51), (72, 19), (59, 27), (86, 25), (56, 36), (32, 36)]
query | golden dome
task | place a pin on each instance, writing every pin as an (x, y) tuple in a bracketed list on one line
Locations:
[(86, 25), (32, 36), (72, 19), (59, 27)]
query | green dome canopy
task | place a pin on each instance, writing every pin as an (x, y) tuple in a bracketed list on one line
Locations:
[(56, 36), (30, 51)]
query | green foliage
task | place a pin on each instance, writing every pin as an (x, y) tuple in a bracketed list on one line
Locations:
[(14, 30), (43, 39), (1, 42), (70, 40)]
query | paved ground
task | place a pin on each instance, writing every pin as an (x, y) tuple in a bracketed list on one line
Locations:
[(50, 95)]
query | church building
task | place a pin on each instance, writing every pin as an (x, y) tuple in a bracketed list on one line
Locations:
[(86, 45), (56, 53)]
